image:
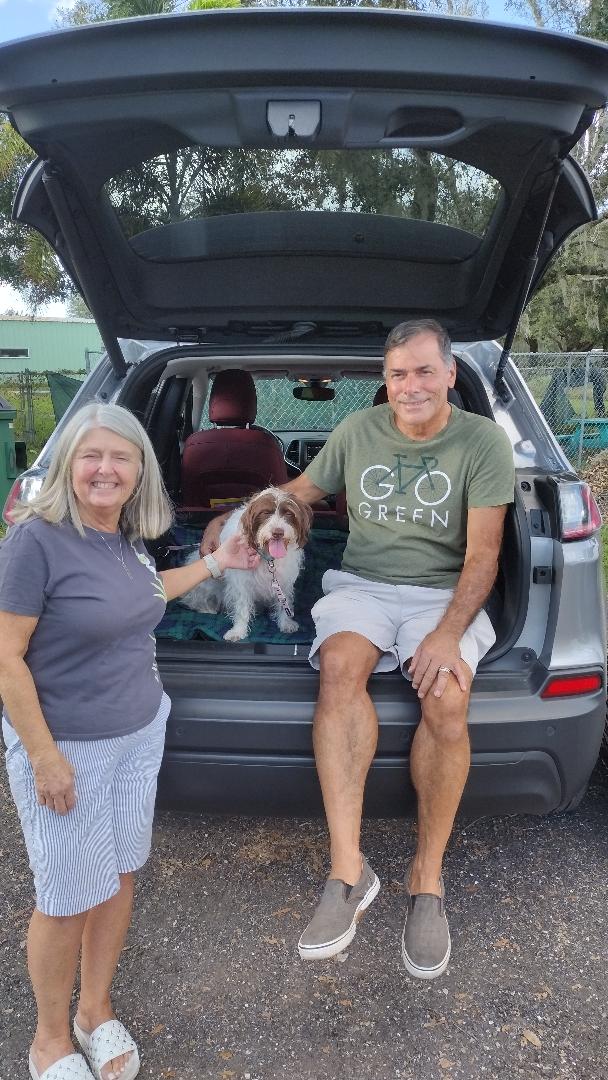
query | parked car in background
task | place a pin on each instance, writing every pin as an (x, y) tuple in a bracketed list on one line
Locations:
[(249, 201)]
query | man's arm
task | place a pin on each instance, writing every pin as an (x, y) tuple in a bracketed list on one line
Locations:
[(301, 487), (441, 648)]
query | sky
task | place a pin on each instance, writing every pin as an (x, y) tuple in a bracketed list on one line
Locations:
[(20, 18)]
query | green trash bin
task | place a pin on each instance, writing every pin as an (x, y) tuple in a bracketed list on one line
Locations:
[(12, 454)]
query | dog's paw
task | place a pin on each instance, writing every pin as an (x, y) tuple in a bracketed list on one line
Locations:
[(288, 626), (236, 633)]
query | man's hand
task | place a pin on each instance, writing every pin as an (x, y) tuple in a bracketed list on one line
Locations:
[(436, 657), (54, 779), (211, 537), (235, 554)]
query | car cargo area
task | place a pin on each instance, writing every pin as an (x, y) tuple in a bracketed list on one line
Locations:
[(180, 405)]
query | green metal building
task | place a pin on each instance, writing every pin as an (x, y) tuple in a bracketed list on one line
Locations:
[(48, 344)]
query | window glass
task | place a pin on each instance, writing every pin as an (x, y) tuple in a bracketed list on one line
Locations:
[(201, 182)]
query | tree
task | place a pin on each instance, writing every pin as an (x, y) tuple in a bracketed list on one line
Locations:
[(570, 312)]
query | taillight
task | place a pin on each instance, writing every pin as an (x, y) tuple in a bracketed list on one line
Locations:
[(24, 489), (571, 685), (579, 514)]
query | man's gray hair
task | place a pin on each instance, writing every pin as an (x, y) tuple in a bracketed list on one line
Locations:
[(405, 331), (147, 513)]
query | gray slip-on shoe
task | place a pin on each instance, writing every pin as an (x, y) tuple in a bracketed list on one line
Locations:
[(426, 944), (334, 923)]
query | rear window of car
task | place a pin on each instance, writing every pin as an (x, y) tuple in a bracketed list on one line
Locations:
[(278, 410), (202, 182)]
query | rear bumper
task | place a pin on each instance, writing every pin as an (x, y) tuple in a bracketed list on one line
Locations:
[(226, 755), (527, 783)]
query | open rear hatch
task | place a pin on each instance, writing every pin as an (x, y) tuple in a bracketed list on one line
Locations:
[(219, 125)]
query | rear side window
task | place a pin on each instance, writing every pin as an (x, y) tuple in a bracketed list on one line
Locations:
[(199, 182)]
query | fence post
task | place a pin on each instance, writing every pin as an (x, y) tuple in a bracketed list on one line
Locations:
[(26, 396), (584, 416)]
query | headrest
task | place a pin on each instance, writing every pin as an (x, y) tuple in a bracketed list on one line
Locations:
[(381, 396), (233, 400)]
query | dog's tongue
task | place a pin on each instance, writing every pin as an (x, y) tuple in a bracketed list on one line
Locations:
[(277, 549)]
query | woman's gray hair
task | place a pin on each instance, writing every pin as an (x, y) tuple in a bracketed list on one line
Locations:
[(147, 513), (405, 331)]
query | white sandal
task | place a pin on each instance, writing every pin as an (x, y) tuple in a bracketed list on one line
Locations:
[(108, 1041), (71, 1067)]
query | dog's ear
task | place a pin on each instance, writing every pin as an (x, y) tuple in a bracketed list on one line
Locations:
[(249, 524), (304, 519)]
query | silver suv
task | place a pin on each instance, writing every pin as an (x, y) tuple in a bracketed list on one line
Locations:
[(269, 192)]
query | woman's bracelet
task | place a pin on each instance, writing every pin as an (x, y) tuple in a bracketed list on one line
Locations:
[(213, 566)]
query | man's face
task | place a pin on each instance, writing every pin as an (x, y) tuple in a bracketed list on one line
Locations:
[(417, 382)]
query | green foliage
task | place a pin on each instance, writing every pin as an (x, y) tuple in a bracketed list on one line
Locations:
[(206, 5), (26, 261)]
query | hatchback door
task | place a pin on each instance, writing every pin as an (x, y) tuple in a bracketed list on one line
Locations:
[(340, 169)]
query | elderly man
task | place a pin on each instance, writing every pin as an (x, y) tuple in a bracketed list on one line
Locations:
[(427, 487)]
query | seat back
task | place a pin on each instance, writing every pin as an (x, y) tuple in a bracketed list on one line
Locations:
[(234, 459)]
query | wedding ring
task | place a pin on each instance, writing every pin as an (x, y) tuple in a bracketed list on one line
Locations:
[(446, 669)]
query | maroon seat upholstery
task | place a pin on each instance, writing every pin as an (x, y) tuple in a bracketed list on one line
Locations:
[(234, 459)]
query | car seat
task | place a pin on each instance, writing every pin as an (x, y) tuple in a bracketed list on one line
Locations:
[(229, 462)]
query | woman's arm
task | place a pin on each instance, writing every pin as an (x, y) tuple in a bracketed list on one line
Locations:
[(232, 553), (53, 774)]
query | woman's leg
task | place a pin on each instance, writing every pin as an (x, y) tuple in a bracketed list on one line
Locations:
[(53, 945), (103, 937)]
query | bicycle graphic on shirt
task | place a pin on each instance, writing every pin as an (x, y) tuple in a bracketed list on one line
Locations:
[(430, 485)]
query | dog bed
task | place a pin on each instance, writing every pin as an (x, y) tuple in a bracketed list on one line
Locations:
[(322, 552)]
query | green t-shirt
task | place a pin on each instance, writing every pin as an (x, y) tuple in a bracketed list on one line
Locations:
[(408, 500)]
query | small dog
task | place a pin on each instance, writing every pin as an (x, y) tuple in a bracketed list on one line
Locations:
[(277, 525)]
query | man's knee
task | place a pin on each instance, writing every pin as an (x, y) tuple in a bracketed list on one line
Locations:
[(446, 717), (346, 662)]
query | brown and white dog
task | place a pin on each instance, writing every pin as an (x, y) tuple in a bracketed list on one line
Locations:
[(277, 525)]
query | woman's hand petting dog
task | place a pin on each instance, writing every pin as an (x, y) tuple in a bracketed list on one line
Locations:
[(236, 554)]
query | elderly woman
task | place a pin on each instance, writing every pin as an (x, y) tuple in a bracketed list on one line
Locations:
[(84, 717)]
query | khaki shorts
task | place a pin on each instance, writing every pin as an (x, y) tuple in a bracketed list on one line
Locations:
[(395, 618)]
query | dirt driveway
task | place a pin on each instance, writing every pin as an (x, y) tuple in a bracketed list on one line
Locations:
[(212, 986)]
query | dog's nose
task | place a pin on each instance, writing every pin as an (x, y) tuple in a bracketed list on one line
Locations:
[(277, 534)]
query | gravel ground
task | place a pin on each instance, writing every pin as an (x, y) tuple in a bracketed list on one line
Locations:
[(212, 986)]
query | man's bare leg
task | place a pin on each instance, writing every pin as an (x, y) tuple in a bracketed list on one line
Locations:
[(345, 734), (439, 762)]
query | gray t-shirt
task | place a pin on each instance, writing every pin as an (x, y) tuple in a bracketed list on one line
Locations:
[(93, 653)]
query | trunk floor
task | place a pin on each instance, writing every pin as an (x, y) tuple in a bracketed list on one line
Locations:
[(323, 552)]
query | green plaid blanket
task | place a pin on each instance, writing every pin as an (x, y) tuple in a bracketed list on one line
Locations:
[(323, 552)]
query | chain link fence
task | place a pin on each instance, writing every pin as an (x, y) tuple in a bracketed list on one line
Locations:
[(38, 402), (571, 391)]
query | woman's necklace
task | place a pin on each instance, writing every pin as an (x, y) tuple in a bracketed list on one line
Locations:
[(119, 558)]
